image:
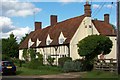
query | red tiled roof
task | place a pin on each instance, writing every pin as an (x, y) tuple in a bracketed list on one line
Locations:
[(68, 28), (103, 27)]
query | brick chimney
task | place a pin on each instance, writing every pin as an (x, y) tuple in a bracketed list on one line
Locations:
[(38, 25), (106, 18), (53, 19), (87, 9)]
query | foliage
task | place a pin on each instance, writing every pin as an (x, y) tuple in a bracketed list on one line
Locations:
[(32, 54), (5, 57), (62, 60), (72, 66), (34, 64), (23, 38), (10, 46), (50, 60), (40, 58), (91, 46), (94, 45), (25, 54)]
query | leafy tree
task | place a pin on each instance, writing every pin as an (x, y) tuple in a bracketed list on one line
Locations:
[(10, 46), (23, 38), (91, 46)]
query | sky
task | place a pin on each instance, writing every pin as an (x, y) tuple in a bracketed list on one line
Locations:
[(18, 16)]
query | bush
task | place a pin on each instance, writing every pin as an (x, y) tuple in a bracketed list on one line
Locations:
[(40, 58), (77, 66), (62, 60), (68, 66), (87, 66), (72, 66), (50, 60), (34, 64)]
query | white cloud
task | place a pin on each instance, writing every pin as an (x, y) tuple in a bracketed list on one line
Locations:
[(95, 6), (13, 8), (109, 6), (6, 24), (7, 27)]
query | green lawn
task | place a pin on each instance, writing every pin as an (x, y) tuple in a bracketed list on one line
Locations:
[(100, 74), (42, 71)]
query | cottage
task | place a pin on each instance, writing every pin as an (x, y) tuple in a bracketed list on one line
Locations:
[(60, 38)]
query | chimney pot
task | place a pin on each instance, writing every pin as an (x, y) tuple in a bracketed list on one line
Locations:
[(106, 18), (53, 19), (38, 25)]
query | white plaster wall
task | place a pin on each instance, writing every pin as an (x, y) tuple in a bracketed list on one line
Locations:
[(81, 33), (113, 53), (21, 54)]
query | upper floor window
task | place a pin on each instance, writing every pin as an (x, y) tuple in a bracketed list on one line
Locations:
[(30, 43), (61, 38), (38, 42), (48, 40), (61, 41)]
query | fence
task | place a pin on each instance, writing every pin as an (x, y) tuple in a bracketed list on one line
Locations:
[(106, 64)]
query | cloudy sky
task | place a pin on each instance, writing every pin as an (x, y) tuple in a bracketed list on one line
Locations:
[(18, 16)]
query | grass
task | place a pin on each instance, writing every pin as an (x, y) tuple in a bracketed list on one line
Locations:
[(43, 71), (100, 74)]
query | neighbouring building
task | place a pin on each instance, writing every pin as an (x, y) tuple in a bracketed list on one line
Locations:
[(60, 39)]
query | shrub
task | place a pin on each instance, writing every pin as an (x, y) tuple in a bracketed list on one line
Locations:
[(68, 66), (34, 64), (87, 66), (72, 66), (50, 60), (62, 60), (40, 58), (77, 65)]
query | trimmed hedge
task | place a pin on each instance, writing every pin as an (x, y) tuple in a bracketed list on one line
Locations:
[(72, 66), (62, 60)]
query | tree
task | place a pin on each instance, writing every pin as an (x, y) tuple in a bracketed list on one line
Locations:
[(23, 38), (10, 46), (91, 46)]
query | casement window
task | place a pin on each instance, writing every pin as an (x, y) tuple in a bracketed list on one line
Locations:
[(38, 42), (61, 38), (30, 43), (48, 40), (61, 41)]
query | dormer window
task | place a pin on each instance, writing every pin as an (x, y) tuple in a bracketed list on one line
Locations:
[(30, 43), (37, 42), (61, 41), (48, 40), (61, 38)]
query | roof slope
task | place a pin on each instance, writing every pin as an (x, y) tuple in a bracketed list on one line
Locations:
[(103, 27), (67, 27)]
